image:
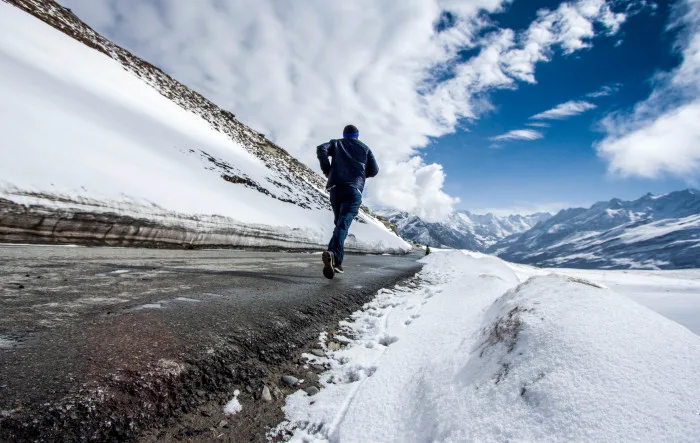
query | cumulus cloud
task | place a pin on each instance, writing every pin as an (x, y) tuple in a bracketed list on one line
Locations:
[(564, 110), (661, 135), (300, 71), (421, 189), (670, 143), (518, 134)]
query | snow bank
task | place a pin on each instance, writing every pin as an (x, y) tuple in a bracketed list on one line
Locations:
[(473, 355), (675, 294), (564, 359), (80, 130)]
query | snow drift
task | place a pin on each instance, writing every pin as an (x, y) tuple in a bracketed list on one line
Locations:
[(567, 360), (475, 355), (101, 147)]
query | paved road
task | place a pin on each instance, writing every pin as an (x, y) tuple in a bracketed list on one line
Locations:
[(78, 322)]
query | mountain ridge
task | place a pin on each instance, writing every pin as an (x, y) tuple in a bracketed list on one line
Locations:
[(653, 231), (462, 229)]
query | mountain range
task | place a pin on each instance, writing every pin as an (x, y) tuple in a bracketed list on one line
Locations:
[(652, 232), (462, 229)]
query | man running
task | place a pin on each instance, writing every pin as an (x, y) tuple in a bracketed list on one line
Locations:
[(353, 162)]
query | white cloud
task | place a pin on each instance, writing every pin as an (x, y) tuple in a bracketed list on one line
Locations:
[(565, 110), (661, 134), (538, 124), (519, 134), (671, 144), (300, 71), (571, 26), (422, 189), (604, 91)]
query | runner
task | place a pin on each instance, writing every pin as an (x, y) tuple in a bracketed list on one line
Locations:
[(353, 162)]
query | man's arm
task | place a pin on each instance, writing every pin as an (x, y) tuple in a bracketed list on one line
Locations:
[(372, 167), (322, 152)]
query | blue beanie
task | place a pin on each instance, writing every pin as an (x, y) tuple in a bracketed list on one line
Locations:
[(351, 131)]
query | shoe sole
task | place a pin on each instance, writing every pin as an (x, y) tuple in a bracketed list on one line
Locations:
[(328, 271)]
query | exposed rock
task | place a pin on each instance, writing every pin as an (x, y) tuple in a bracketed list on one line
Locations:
[(318, 352), (312, 390), (266, 396), (290, 380)]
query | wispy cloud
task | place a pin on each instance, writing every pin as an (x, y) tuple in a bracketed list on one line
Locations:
[(538, 124), (565, 110), (604, 91), (518, 134)]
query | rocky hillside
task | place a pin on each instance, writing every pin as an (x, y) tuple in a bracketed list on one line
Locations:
[(652, 232), (462, 229)]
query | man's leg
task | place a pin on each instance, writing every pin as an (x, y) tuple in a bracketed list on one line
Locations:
[(336, 200), (328, 257), (348, 209), (335, 204)]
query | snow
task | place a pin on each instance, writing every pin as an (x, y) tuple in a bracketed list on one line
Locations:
[(659, 229), (233, 406), (484, 350), (462, 229), (673, 294), (647, 233), (81, 129), (149, 306)]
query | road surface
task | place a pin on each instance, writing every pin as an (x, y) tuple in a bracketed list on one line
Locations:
[(108, 343)]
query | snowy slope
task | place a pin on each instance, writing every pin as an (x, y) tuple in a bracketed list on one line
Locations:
[(475, 354), (88, 128), (462, 229), (655, 231)]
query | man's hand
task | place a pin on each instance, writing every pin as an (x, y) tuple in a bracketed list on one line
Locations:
[(326, 175)]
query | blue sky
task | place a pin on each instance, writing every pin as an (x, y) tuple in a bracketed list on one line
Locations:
[(562, 167), (448, 93)]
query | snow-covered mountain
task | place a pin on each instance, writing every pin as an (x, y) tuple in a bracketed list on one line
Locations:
[(655, 231), (462, 229), (101, 147)]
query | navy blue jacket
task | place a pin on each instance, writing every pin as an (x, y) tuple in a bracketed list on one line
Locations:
[(353, 162)]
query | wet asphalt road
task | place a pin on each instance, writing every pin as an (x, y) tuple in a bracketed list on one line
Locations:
[(70, 316)]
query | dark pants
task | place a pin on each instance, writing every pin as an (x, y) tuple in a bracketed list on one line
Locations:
[(346, 201)]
